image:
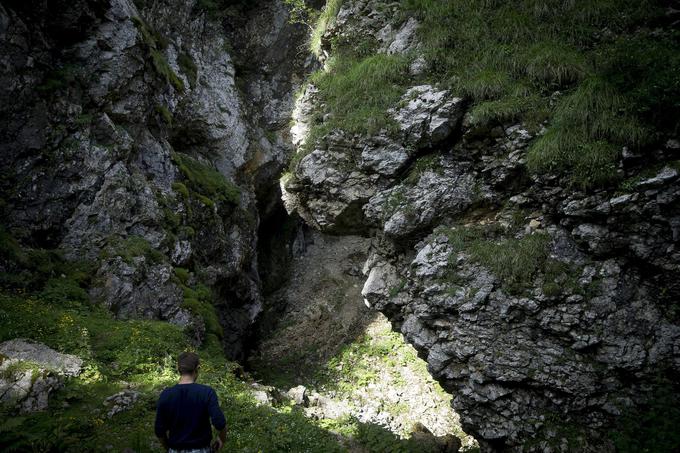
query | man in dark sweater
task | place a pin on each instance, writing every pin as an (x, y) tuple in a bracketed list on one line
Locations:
[(185, 410)]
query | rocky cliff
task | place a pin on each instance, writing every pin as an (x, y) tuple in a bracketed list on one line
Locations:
[(543, 299), (138, 136), (521, 194)]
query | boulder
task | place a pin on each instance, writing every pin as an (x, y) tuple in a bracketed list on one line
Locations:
[(30, 371)]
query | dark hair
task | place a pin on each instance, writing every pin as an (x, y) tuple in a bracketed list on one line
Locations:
[(187, 362)]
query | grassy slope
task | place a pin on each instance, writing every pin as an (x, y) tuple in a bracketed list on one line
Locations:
[(601, 75), (45, 299)]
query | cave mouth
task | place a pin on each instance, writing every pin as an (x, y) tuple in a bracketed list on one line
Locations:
[(315, 336)]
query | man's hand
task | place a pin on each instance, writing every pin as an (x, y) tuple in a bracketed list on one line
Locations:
[(217, 445), (221, 439)]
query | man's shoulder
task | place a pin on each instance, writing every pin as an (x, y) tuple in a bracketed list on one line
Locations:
[(204, 388), (167, 391)]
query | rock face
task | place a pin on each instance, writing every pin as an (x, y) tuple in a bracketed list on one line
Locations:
[(547, 312), (128, 139), (30, 371), (346, 172)]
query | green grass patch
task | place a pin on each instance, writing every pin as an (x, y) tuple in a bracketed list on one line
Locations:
[(515, 262), (165, 114), (120, 354), (59, 79), (199, 300), (130, 248), (28, 269), (326, 18), (510, 58), (205, 181), (186, 63), (155, 44), (357, 94)]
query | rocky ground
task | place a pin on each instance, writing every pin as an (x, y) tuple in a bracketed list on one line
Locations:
[(339, 359)]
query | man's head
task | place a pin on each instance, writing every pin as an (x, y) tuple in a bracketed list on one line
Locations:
[(187, 363)]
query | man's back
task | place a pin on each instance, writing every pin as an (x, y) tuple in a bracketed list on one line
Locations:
[(185, 411)]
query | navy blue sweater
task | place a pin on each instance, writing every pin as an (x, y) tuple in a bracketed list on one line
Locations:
[(184, 411)]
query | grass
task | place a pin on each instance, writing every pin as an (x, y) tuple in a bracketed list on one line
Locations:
[(59, 79), (165, 114), (614, 72), (188, 67), (614, 84), (120, 354), (132, 247), (199, 300), (516, 262), (326, 18), (205, 181), (155, 44), (356, 94)]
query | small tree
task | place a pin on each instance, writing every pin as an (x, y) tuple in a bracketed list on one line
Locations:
[(301, 13)]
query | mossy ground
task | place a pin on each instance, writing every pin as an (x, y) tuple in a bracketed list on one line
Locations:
[(44, 298)]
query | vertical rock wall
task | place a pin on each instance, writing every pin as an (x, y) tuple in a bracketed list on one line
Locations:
[(136, 135)]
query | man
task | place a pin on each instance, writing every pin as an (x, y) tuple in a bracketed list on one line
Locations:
[(185, 410)]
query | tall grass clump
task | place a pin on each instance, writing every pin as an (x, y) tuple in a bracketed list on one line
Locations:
[(326, 18), (614, 72), (357, 94)]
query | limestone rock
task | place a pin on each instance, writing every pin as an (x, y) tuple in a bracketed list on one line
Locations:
[(30, 371), (121, 401)]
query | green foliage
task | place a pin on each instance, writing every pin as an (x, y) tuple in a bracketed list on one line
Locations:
[(120, 354), (59, 79), (181, 189), (300, 13), (186, 63), (164, 113), (220, 9), (326, 18), (156, 44), (587, 134), (130, 248), (425, 163), (84, 119), (653, 429), (62, 289), (28, 269), (514, 261), (182, 275), (361, 362), (208, 184), (507, 109), (357, 94), (510, 57), (163, 69), (199, 300)]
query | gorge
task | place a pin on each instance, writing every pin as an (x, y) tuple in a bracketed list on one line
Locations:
[(500, 180)]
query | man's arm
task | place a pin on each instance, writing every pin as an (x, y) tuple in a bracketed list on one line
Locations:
[(218, 420), (160, 427)]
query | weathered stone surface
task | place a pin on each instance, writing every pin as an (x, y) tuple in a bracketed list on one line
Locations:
[(30, 371), (332, 184), (97, 96), (579, 341), (121, 401)]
